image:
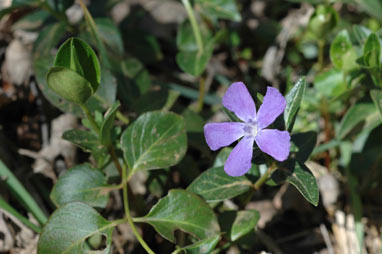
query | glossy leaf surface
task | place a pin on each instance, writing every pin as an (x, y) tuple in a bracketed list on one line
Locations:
[(70, 226), (80, 183), (238, 223), (293, 99), (183, 210), (360, 117), (215, 185), (155, 140), (299, 175)]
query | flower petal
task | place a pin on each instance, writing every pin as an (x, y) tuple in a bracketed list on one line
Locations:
[(274, 142), (238, 100), (273, 105), (239, 160), (222, 134)]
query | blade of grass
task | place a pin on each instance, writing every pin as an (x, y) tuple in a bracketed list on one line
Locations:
[(21, 193), (6, 207)]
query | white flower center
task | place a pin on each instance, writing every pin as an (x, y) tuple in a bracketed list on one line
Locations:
[(251, 129)]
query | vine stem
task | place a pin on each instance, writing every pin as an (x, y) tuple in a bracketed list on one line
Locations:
[(115, 159), (194, 24), (321, 47), (128, 215), (202, 93), (264, 177)]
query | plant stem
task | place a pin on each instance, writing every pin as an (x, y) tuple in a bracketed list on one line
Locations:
[(321, 47), (202, 92), (90, 118), (115, 159), (128, 216), (264, 177), (194, 24)]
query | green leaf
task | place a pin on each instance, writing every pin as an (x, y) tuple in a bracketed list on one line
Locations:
[(70, 226), (231, 116), (360, 117), (202, 247), (31, 21), (293, 100), (372, 51), (215, 185), (80, 183), (84, 139), (361, 33), (376, 95), (107, 124), (178, 211), (299, 175), (110, 35), (77, 55), (194, 122), (222, 157), (140, 77), (225, 9), (372, 7), (303, 144), (185, 39), (69, 85), (155, 140), (238, 223), (342, 52), (330, 83), (47, 39), (60, 5), (195, 62)]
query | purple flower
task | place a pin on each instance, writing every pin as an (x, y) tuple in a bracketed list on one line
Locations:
[(273, 142)]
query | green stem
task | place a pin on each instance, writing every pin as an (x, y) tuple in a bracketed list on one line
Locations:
[(225, 246), (264, 177), (202, 92), (321, 47), (119, 115), (194, 25), (115, 159), (177, 251), (90, 118), (129, 218), (4, 205)]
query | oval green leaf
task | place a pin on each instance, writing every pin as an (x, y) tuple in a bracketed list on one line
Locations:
[(195, 62), (69, 85), (80, 183), (84, 139), (182, 210), (299, 175), (77, 55), (372, 51), (293, 100), (215, 185), (215, 9), (376, 96), (342, 53), (202, 247), (238, 223), (360, 117), (155, 140), (70, 226), (107, 124)]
